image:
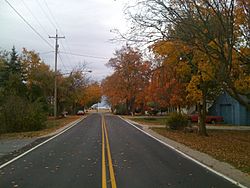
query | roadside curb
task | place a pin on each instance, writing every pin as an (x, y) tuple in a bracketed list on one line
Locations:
[(15, 155), (63, 128), (223, 169)]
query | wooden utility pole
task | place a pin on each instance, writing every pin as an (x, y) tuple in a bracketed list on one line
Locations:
[(55, 86)]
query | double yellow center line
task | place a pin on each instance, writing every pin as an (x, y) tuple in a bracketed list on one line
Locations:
[(110, 165)]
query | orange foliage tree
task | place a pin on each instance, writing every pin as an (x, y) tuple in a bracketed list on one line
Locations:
[(168, 83), (38, 76), (91, 95), (129, 80)]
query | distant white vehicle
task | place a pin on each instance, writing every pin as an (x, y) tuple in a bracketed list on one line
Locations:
[(80, 112), (103, 108)]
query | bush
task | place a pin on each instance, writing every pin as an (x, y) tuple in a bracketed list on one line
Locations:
[(177, 121), (153, 108), (120, 109), (153, 112), (18, 114)]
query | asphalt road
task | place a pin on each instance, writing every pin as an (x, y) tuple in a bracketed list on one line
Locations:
[(84, 156)]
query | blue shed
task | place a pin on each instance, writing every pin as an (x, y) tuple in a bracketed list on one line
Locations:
[(231, 110)]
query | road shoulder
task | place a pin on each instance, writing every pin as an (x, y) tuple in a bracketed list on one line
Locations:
[(221, 167), (13, 147)]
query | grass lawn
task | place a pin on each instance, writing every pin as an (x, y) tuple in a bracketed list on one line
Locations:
[(232, 147), (149, 120), (51, 126)]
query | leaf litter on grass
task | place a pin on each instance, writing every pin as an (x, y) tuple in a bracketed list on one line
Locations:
[(232, 147)]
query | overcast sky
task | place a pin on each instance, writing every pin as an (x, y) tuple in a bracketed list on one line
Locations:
[(86, 24)]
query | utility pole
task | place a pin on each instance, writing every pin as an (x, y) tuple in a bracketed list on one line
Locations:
[(55, 86)]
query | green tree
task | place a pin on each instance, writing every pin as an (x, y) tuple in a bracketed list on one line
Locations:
[(12, 80), (14, 64), (18, 111), (71, 90)]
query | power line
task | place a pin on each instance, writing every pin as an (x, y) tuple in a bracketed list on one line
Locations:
[(44, 12), (67, 56), (58, 26), (47, 16), (46, 52), (60, 57), (84, 55), (33, 29), (26, 6), (55, 23), (51, 15)]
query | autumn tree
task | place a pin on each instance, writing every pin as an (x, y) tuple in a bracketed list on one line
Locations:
[(218, 29), (169, 79), (38, 76), (71, 89), (112, 88), (217, 32), (202, 89), (92, 95), (185, 82), (131, 76)]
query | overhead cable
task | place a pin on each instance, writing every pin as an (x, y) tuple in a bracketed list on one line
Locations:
[(33, 29), (37, 20), (83, 55), (55, 23)]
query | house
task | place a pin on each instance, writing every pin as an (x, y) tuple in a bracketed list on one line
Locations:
[(231, 110)]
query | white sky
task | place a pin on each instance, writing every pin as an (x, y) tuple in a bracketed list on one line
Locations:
[(86, 24)]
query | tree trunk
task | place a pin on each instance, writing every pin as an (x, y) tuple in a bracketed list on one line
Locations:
[(179, 109), (142, 108), (132, 106), (202, 117), (127, 107)]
